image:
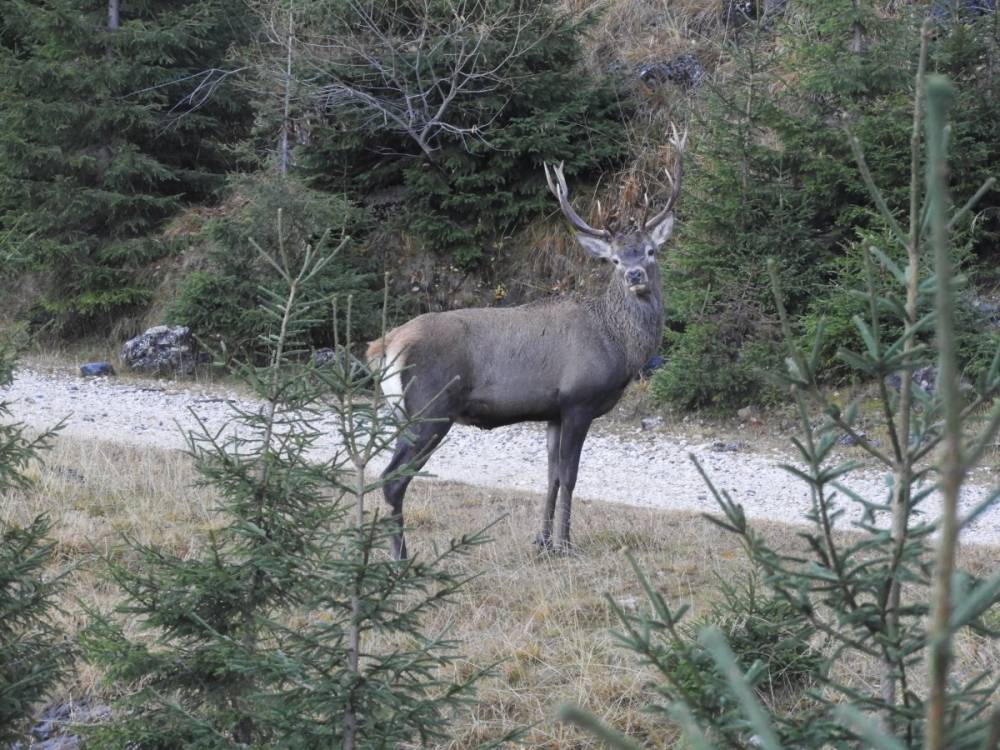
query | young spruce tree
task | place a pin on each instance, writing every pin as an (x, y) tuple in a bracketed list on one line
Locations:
[(34, 654), (293, 628)]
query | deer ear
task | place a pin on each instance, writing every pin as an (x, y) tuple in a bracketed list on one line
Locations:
[(662, 231), (597, 247)]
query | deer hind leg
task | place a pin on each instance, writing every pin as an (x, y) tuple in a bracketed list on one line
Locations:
[(410, 454), (573, 433), (544, 540)]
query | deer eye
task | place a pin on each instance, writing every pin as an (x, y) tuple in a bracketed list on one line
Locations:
[(650, 252), (614, 259)]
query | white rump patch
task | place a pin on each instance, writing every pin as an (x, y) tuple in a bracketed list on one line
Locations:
[(392, 379)]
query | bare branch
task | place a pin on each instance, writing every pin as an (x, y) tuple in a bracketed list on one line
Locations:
[(406, 73)]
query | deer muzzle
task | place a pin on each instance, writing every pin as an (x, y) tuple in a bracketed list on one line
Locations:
[(636, 280)]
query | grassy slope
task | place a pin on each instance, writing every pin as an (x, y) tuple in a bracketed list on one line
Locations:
[(545, 622)]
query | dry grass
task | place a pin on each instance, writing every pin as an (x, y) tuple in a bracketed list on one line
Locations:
[(543, 621), (639, 31)]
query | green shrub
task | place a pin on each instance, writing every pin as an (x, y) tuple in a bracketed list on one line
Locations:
[(223, 302), (878, 586), (846, 297), (768, 638), (710, 365)]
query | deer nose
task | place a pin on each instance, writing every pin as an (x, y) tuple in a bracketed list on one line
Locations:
[(635, 276)]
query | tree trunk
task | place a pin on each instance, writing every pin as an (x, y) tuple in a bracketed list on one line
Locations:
[(284, 157)]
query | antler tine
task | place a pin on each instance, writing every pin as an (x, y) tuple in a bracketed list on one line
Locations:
[(559, 190), (679, 142), (548, 179), (645, 210)]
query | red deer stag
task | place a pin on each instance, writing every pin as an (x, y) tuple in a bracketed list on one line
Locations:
[(561, 360)]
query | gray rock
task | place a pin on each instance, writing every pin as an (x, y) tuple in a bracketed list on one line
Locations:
[(650, 423), (849, 440), (732, 446), (323, 357), (54, 728), (347, 362), (163, 350), (925, 377), (739, 12), (96, 370), (963, 10), (988, 311), (684, 71)]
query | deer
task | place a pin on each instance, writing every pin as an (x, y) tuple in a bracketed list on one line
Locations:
[(562, 360)]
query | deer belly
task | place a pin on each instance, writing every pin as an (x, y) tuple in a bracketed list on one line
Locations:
[(495, 407)]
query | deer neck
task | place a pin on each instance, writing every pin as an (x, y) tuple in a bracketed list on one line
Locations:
[(633, 324)]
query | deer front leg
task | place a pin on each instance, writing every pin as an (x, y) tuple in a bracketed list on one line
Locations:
[(573, 433), (544, 540), (410, 455)]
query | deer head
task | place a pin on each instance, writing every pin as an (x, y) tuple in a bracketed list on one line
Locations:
[(633, 253)]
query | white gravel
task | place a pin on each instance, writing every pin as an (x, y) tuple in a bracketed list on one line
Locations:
[(651, 469)]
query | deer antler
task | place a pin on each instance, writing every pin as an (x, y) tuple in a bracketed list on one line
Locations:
[(679, 142), (558, 188)]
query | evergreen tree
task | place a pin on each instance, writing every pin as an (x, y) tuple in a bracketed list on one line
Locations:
[(107, 126), (34, 653), (224, 301), (293, 628)]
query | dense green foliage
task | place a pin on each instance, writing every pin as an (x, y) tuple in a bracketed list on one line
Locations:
[(34, 653), (291, 627), (776, 178), (478, 174), (98, 143), (223, 300)]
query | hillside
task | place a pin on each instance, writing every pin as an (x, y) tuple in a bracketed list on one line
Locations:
[(132, 188)]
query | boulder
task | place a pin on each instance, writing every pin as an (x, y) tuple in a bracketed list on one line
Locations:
[(651, 423), (163, 350), (739, 12), (925, 377), (324, 357), (56, 722), (988, 311)]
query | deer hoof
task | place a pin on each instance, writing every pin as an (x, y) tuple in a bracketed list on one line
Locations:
[(543, 543), (564, 548)]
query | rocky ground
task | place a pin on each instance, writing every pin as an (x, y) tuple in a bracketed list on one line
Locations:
[(644, 462)]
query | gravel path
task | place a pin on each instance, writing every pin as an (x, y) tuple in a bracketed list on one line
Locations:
[(650, 469)]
